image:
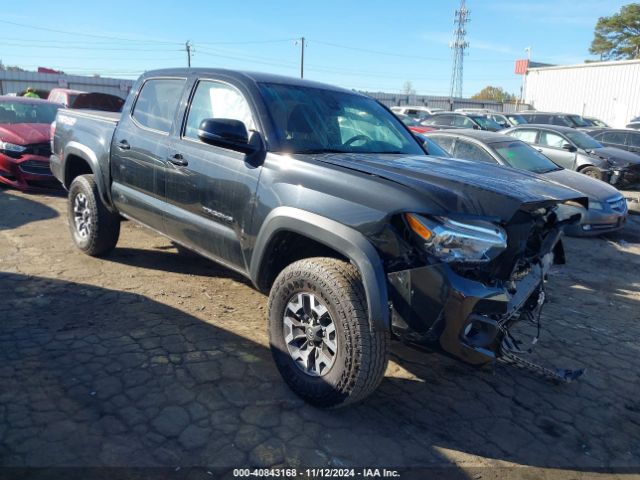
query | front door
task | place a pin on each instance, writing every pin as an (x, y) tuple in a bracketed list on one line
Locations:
[(139, 149), (551, 143), (210, 190)]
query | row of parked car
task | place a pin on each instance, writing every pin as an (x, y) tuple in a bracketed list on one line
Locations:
[(546, 143), (25, 133)]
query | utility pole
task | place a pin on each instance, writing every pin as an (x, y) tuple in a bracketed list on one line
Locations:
[(458, 45), (301, 57), (188, 47)]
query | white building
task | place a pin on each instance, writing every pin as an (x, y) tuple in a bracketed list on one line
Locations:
[(606, 90)]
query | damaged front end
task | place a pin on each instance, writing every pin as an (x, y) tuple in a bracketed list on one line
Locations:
[(467, 283)]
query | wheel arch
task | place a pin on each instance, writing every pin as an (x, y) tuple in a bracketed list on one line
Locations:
[(346, 242), (81, 160)]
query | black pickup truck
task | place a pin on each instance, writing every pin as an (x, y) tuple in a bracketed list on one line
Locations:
[(323, 198)]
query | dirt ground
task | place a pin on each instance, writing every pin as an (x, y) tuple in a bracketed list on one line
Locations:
[(147, 358)]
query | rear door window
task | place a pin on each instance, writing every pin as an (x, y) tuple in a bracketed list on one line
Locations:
[(619, 138), (444, 141), (156, 104), (634, 139), (469, 151)]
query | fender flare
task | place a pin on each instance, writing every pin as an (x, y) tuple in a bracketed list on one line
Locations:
[(345, 240), (79, 150)]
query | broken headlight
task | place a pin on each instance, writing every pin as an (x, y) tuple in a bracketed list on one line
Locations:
[(474, 241)]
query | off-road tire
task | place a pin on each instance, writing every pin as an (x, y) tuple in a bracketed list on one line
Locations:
[(104, 225), (362, 354), (592, 172)]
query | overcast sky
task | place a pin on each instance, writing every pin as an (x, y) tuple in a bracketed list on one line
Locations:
[(372, 45)]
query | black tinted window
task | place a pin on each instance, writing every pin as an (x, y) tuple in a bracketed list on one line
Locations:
[(439, 120), (634, 139), (618, 138), (561, 120), (469, 151), (157, 102)]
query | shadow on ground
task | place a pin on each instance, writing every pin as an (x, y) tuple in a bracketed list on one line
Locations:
[(92, 376), (16, 211)]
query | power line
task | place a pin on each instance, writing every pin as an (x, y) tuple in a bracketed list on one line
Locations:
[(91, 35), (63, 47)]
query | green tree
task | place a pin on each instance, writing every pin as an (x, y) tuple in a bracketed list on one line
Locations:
[(496, 94), (618, 37)]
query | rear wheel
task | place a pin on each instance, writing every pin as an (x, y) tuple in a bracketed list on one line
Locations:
[(320, 335), (94, 229)]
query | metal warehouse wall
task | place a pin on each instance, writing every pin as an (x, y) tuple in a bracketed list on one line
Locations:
[(607, 90), (14, 82), (398, 99)]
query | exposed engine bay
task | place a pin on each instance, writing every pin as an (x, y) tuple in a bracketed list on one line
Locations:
[(486, 309)]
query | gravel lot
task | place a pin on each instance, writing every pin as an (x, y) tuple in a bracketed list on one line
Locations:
[(148, 358)]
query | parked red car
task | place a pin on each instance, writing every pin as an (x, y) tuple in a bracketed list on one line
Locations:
[(413, 125), (86, 100), (25, 134)]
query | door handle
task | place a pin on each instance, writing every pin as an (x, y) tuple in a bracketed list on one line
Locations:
[(123, 145), (178, 159)]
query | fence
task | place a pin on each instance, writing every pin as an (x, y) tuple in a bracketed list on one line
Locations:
[(15, 82), (447, 103)]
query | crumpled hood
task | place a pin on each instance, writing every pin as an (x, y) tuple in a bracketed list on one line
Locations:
[(592, 188), (25, 133), (619, 157), (460, 186)]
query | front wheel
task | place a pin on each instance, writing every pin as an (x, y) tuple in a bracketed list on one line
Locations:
[(94, 229), (320, 334), (592, 172)]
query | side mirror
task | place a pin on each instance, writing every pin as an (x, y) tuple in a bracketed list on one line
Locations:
[(476, 127), (226, 133), (568, 147)]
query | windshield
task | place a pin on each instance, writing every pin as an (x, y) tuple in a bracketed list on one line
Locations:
[(316, 120), (26, 112), (486, 123), (582, 140), (578, 121), (516, 119), (518, 154)]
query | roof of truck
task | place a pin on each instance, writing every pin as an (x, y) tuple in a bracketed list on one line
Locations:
[(255, 77)]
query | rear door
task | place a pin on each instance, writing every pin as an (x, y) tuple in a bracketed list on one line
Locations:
[(210, 190), (139, 150), (615, 138), (550, 144), (633, 139)]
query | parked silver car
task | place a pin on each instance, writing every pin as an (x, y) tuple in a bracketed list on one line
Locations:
[(575, 150), (607, 210)]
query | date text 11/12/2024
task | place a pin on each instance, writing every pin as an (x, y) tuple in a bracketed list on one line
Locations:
[(316, 473)]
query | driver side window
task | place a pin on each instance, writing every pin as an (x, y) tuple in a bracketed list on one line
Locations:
[(216, 100)]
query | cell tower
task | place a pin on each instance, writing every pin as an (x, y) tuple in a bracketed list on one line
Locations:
[(458, 45)]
